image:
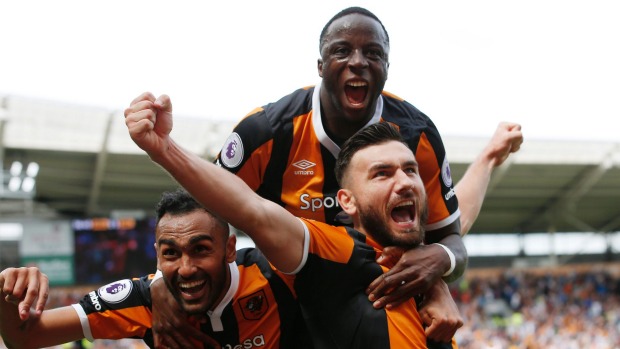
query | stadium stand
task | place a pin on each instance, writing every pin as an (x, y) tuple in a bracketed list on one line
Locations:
[(514, 294)]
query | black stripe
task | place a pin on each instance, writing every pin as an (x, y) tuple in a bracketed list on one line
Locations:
[(280, 116)]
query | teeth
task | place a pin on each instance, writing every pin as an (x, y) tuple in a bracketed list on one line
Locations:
[(357, 83), (406, 203), (190, 284)]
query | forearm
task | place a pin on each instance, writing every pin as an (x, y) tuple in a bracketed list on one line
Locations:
[(471, 190), (53, 327), (212, 186), (10, 323), (455, 244)]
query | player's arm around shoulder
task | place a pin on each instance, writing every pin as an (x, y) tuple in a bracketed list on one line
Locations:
[(24, 327)]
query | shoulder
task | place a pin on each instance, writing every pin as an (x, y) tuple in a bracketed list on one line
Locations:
[(119, 294), (287, 107), (264, 123), (329, 241), (401, 112), (411, 121), (250, 256), (290, 106)]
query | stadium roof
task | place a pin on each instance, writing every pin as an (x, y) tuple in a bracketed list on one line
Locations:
[(89, 167)]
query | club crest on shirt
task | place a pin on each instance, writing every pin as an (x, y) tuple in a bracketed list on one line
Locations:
[(232, 151), (116, 292), (254, 306), (446, 174)]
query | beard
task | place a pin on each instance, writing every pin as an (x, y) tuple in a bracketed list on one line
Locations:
[(214, 285), (379, 230)]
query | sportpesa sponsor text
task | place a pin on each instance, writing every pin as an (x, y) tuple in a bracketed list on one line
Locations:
[(314, 204), (256, 342)]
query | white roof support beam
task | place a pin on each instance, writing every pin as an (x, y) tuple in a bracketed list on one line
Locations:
[(100, 165)]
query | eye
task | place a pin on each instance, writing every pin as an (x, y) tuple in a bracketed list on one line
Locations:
[(375, 54), (169, 252), (380, 173), (202, 249), (341, 51), (411, 170)]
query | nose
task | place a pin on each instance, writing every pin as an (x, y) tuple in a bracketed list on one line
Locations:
[(358, 60), (404, 182), (187, 267)]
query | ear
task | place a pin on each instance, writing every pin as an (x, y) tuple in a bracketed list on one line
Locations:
[(231, 248), (347, 201), (319, 66)]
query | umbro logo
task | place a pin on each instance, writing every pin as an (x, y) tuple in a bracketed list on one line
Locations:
[(304, 166)]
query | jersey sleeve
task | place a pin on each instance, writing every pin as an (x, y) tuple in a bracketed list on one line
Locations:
[(435, 172), (247, 150), (328, 242), (121, 309)]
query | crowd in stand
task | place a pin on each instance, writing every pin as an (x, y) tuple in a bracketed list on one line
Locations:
[(556, 308), (568, 308)]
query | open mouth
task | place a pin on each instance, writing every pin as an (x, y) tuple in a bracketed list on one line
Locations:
[(404, 212), (356, 92), (192, 289)]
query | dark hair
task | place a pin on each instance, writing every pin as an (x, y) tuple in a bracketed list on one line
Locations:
[(347, 11), (180, 202), (372, 135)]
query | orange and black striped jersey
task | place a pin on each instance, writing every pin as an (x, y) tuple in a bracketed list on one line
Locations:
[(283, 152), (339, 265), (258, 310)]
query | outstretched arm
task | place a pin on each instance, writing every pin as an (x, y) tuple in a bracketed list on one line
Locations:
[(472, 188), (278, 234), (24, 327)]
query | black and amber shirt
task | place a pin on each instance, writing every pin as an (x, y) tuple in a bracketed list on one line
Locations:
[(338, 265), (258, 310), (283, 152)]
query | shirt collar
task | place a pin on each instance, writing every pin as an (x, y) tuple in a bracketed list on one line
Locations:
[(317, 121), (215, 315)]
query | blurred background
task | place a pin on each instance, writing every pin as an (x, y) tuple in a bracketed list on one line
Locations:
[(77, 196)]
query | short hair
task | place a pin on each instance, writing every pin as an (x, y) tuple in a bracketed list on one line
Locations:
[(347, 11), (374, 134), (179, 202)]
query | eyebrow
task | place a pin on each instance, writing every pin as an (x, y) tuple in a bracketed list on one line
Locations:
[(192, 241), (383, 165), (411, 163)]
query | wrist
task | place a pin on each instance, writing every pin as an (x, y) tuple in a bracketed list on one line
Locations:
[(452, 260)]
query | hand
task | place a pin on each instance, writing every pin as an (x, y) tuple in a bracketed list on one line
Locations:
[(171, 325), (390, 256), (506, 139), (149, 122), (414, 273), (23, 287), (439, 313)]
